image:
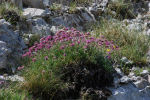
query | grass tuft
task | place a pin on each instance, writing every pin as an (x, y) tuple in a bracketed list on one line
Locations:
[(10, 94), (132, 44), (10, 13), (121, 8)]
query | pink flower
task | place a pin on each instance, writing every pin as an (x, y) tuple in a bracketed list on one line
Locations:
[(107, 43), (1, 82), (62, 47), (72, 44), (66, 29), (64, 54), (24, 55), (88, 33), (117, 48), (100, 44), (46, 57), (102, 36), (33, 59), (48, 46), (88, 41), (20, 68), (27, 54), (36, 49), (31, 48), (85, 47), (70, 38), (35, 44), (48, 38), (43, 71), (65, 36), (78, 42), (42, 39), (108, 57)]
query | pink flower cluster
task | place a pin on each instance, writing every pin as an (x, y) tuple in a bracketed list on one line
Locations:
[(20, 68), (2, 82), (73, 37)]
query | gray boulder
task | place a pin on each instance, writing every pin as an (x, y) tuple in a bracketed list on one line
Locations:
[(11, 46), (77, 20), (37, 3), (4, 51), (129, 92), (38, 26), (34, 13), (144, 73), (124, 80), (12, 78), (141, 84)]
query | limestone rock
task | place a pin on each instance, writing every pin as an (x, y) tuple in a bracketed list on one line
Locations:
[(74, 20), (55, 29), (11, 46), (124, 80), (144, 72), (118, 70), (141, 83), (149, 78), (12, 78), (116, 82), (38, 26), (34, 12), (129, 92), (126, 61), (4, 51)]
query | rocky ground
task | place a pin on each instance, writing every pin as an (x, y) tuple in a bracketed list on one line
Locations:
[(41, 18)]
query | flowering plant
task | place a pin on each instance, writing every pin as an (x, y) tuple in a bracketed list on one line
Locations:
[(69, 38), (69, 51)]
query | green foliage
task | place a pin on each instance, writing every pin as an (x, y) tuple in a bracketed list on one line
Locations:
[(133, 45), (122, 9), (83, 1), (73, 8), (55, 7), (9, 94), (125, 69), (137, 72), (140, 69), (10, 13), (33, 39)]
